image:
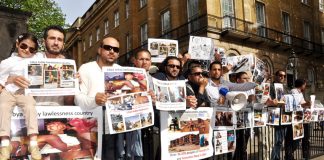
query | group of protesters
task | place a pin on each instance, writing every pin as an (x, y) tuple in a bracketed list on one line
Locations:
[(202, 91)]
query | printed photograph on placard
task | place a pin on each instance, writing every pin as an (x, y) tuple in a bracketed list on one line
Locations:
[(273, 116), (67, 136), (133, 122), (162, 48), (297, 116), (117, 122), (224, 141), (286, 118), (320, 115), (51, 77), (279, 92), (259, 115), (177, 94), (241, 63), (262, 92), (146, 119), (314, 115), (223, 119), (243, 118), (186, 134), (261, 72), (307, 115), (35, 74), (298, 130)]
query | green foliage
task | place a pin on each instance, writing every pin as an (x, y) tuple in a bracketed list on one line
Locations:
[(44, 13)]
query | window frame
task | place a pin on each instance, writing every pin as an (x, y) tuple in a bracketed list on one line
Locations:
[(106, 26), (144, 33), (116, 18)]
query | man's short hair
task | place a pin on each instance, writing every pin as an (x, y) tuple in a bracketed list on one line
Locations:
[(214, 63), (278, 71), (53, 27), (299, 82), (239, 75), (141, 50)]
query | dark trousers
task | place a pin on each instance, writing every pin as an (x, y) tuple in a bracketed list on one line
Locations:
[(284, 133), (305, 142), (242, 139), (108, 146)]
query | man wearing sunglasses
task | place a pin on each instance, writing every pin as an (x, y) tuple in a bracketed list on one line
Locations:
[(196, 86), (92, 92), (282, 132)]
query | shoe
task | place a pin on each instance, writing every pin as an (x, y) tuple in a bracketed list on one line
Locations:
[(35, 153), (5, 152)]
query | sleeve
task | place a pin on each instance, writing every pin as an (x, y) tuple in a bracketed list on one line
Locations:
[(82, 99), (4, 72), (241, 86)]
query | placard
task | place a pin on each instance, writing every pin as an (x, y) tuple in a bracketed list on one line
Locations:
[(162, 48)]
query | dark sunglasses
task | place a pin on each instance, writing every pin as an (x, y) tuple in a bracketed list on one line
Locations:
[(196, 74), (172, 66), (25, 46), (109, 48), (282, 75)]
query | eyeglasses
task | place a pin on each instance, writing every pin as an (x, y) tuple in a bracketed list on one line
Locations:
[(196, 73), (109, 48), (25, 46), (282, 75), (172, 66)]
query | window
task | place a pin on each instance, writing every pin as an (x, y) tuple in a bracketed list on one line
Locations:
[(307, 35), (304, 1), (143, 33), (97, 34), (193, 14), (286, 27), (128, 42), (126, 9), (260, 15), (142, 3), (228, 13), (90, 40), (321, 5), (106, 27), (116, 15), (166, 23)]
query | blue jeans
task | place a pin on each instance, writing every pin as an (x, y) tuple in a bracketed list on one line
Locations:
[(284, 133), (133, 145)]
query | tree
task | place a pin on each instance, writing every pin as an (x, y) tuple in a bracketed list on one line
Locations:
[(44, 13)]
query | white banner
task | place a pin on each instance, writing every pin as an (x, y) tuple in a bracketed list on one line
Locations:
[(201, 48), (51, 77), (186, 134), (65, 132)]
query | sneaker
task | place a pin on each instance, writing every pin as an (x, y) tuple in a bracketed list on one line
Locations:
[(35, 153), (5, 152)]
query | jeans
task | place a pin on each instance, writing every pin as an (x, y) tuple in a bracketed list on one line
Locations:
[(129, 145), (284, 133), (242, 138)]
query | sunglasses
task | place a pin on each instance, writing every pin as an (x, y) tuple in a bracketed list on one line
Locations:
[(196, 74), (172, 66), (282, 75), (25, 46), (109, 48)]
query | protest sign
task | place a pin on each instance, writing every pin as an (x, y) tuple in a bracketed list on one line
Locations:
[(243, 118), (51, 77), (298, 130), (129, 106), (162, 48), (201, 48), (223, 118), (65, 132), (170, 95), (262, 93), (273, 116), (259, 115), (186, 134), (225, 141), (261, 71)]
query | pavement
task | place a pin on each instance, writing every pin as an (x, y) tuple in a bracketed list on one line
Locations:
[(318, 158)]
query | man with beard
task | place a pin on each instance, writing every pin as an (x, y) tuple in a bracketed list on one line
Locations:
[(54, 37), (170, 69), (92, 90), (215, 83)]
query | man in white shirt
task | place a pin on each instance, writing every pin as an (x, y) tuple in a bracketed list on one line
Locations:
[(92, 87), (215, 83)]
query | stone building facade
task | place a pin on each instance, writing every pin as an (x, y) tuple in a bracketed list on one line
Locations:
[(12, 23), (272, 30)]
